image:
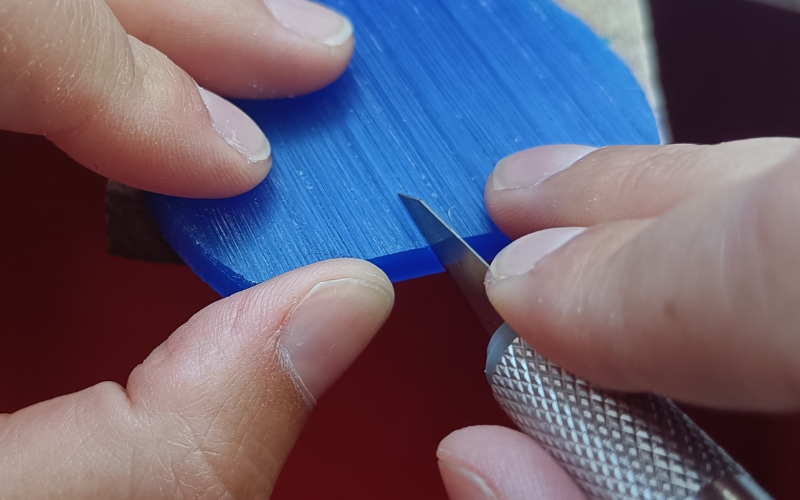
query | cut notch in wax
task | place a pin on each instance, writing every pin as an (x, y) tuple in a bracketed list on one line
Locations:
[(437, 93)]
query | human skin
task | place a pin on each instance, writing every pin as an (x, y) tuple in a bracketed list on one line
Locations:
[(116, 84), (213, 411), (667, 269)]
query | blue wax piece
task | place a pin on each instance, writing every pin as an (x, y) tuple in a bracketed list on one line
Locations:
[(438, 92)]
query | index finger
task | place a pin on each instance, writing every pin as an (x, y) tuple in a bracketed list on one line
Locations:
[(253, 49), (566, 185)]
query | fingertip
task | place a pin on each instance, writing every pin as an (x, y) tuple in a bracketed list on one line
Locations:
[(512, 192), (558, 289), (450, 447), (522, 255), (514, 287), (514, 213), (237, 129), (244, 373), (250, 49), (236, 338), (469, 446), (343, 268), (253, 159), (458, 473), (156, 130), (531, 167), (497, 462), (463, 484), (559, 185), (306, 47), (311, 20), (332, 324)]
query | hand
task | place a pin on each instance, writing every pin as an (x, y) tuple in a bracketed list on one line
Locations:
[(684, 284), (115, 84), (214, 410)]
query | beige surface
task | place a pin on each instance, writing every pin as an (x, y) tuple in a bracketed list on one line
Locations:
[(626, 25), (786, 4)]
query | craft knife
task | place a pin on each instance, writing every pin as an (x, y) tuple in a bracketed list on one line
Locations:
[(616, 446)]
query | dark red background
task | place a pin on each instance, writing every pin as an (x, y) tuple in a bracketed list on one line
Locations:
[(71, 315)]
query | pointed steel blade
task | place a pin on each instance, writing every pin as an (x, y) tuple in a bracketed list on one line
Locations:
[(465, 266)]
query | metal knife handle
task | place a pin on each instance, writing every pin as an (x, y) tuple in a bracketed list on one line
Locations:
[(616, 446)]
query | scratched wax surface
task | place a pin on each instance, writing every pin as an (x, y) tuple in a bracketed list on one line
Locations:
[(438, 91)]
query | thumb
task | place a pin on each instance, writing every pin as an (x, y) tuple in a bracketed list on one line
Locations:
[(212, 412), (70, 72)]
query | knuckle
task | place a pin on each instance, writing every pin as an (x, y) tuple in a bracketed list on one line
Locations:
[(78, 68), (58, 61)]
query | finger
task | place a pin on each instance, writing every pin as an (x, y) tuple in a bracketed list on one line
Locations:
[(69, 71), (558, 186), (492, 463), (212, 412), (246, 48), (699, 305)]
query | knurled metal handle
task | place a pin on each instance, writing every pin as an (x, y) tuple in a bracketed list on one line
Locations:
[(616, 446)]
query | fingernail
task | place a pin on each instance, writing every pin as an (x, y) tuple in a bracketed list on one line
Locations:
[(463, 484), (530, 167), (330, 327), (238, 130), (523, 254), (311, 20)]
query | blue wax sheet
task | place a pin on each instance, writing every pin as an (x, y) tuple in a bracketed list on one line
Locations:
[(437, 93)]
